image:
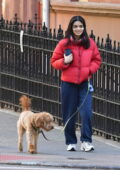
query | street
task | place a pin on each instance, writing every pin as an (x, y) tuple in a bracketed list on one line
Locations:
[(30, 168)]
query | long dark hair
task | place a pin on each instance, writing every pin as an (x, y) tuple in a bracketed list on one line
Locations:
[(85, 42)]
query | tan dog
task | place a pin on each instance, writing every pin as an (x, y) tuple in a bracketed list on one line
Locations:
[(31, 123)]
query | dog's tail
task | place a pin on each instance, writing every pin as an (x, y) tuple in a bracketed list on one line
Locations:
[(25, 102)]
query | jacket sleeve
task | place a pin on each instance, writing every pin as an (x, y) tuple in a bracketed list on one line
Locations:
[(57, 59), (96, 59)]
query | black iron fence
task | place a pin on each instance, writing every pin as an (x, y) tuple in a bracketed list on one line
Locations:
[(29, 72)]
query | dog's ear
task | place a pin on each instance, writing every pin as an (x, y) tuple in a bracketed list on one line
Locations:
[(49, 118), (38, 120)]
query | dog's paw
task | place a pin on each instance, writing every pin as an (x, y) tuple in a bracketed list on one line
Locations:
[(20, 148), (32, 149)]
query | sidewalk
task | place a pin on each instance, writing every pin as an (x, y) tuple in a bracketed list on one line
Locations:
[(53, 153)]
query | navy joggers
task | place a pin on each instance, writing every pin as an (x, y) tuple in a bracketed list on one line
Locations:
[(74, 96)]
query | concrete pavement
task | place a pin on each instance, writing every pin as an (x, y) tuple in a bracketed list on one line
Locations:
[(53, 153)]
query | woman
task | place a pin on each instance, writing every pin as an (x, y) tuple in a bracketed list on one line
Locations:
[(77, 56)]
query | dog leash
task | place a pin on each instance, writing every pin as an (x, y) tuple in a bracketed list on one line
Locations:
[(40, 131), (44, 135)]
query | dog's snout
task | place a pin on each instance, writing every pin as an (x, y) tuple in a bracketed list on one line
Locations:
[(52, 127)]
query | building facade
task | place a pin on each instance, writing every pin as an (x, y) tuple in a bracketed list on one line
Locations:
[(25, 9), (104, 1), (102, 16)]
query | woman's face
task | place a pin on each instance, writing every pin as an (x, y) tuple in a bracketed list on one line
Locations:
[(77, 29)]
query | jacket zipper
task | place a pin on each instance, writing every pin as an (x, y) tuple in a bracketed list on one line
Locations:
[(79, 64)]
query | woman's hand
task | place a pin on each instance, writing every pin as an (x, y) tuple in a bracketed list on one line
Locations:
[(68, 59)]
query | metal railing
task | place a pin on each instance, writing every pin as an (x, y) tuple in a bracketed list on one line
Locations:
[(29, 72)]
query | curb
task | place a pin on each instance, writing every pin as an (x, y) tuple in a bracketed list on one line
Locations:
[(56, 165)]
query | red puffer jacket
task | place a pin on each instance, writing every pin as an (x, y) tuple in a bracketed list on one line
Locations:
[(85, 61)]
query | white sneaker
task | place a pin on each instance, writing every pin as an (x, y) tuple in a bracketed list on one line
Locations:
[(86, 146), (71, 147)]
